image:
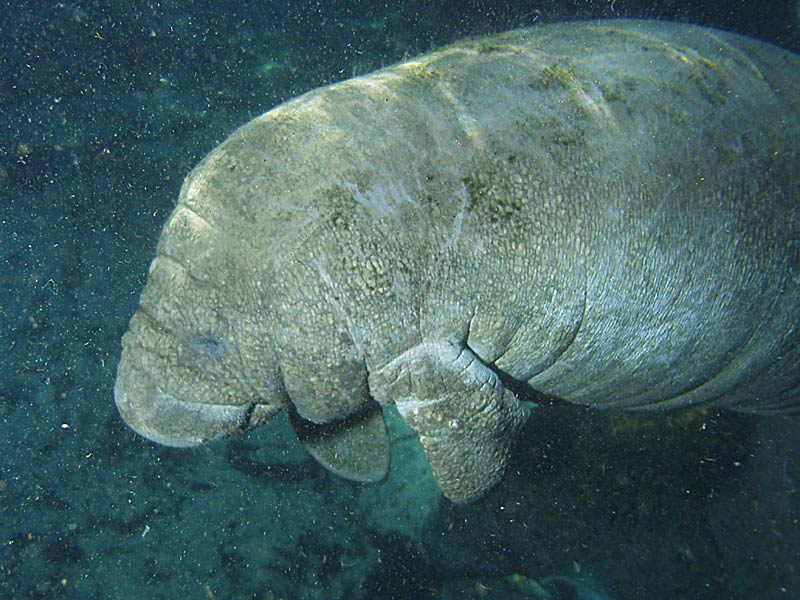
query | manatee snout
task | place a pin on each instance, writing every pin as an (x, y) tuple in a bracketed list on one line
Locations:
[(177, 417), (162, 418)]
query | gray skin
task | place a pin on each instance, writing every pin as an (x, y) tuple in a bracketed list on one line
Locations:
[(606, 213)]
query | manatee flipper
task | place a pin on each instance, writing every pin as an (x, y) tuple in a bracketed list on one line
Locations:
[(466, 419), (356, 448)]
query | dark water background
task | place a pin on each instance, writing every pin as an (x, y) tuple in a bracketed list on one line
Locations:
[(105, 108)]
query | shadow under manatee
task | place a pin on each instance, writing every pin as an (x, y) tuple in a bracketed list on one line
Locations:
[(401, 570), (241, 456)]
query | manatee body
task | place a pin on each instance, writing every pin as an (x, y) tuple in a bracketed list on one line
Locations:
[(606, 213)]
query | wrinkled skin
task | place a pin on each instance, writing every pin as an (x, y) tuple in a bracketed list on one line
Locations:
[(606, 213)]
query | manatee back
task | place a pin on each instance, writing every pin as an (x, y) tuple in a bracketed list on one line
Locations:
[(648, 175), (690, 181)]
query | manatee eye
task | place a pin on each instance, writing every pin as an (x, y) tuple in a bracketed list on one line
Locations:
[(208, 345)]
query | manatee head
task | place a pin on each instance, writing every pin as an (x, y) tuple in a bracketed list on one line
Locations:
[(197, 361)]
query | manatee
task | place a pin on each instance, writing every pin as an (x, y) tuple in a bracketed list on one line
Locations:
[(603, 213)]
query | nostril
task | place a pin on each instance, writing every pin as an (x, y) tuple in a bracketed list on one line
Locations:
[(207, 344)]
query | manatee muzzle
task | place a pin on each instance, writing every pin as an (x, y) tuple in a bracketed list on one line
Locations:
[(165, 419)]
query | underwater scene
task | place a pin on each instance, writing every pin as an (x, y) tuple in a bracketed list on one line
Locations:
[(455, 330)]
